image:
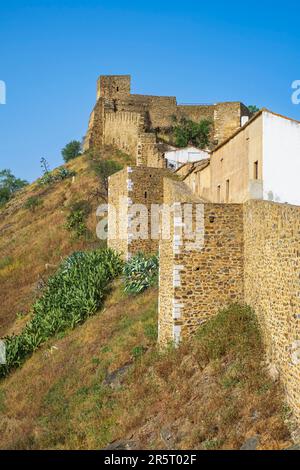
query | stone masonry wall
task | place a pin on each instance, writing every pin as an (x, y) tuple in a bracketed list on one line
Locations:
[(113, 86), (95, 134), (113, 94), (272, 285), (123, 129), (196, 281), (117, 192), (126, 130), (136, 185), (227, 119)]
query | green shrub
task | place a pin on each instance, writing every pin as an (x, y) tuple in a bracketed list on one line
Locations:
[(74, 293), (9, 185), (103, 169), (137, 351), (51, 177), (71, 150), (187, 132), (140, 272), (253, 108), (32, 203), (238, 331), (76, 219), (6, 261)]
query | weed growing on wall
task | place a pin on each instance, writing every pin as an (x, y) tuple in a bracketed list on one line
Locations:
[(72, 294), (140, 272)]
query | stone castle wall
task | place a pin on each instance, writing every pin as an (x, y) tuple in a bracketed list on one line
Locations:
[(117, 220), (247, 253), (135, 185), (199, 276), (251, 254), (123, 129), (156, 112), (126, 130), (272, 285)]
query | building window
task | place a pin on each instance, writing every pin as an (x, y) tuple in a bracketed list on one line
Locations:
[(256, 170), (145, 194), (227, 190), (117, 88), (219, 193)]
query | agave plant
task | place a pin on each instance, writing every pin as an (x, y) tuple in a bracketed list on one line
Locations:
[(140, 272), (72, 294)]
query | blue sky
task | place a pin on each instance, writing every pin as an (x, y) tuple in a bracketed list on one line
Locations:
[(51, 53)]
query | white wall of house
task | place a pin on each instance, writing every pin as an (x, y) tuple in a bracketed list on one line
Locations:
[(281, 159), (185, 155)]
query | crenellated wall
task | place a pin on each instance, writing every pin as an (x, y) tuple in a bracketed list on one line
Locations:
[(156, 113)]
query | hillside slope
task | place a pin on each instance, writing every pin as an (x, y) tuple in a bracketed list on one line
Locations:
[(33, 242), (106, 381)]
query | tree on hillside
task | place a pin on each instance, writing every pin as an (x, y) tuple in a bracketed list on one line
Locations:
[(9, 185), (71, 150), (253, 108), (104, 169), (187, 132)]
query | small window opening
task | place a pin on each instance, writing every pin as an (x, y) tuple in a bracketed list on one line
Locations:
[(256, 170), (227, 190), (145, 194), (117, 88)]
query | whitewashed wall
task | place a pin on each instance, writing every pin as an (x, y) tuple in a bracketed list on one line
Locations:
[(281, 159), (186, 155)]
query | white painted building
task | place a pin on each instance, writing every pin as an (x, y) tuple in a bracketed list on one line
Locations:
[(281, 159), (178, 157), (259, 161)]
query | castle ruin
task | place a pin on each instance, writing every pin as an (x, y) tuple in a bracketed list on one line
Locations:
[(133, 122), (248, 245)]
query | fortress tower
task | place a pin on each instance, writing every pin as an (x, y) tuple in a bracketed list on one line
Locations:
[(140, 124), (113, 86)]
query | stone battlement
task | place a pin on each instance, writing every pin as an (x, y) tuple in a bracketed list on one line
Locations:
[(156, 114)]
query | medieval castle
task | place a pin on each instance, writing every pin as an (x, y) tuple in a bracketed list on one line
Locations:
[(247, 192)]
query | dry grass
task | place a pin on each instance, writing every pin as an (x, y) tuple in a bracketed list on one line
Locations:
[(33, 243), (62, 402), (204, 395), (213, 392)]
